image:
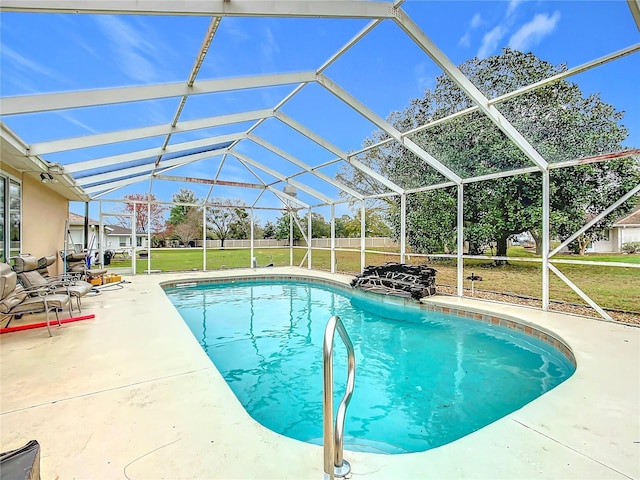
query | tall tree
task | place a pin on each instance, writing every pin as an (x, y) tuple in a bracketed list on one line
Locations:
[(269, 230), (320, 228), (283, 228), (241, 227), (557, 119), (138, 201), (222, 214), (178, 213), (190, 228)]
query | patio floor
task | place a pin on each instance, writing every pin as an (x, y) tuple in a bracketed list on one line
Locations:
[(130, 394)]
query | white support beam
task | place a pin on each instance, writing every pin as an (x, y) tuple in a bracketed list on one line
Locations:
[(493, 176), (438, 56), (195, 69), (153, 152), (426, 188), (370, 115), (307, 168), (310, 237), (286, 199), (355, 39), (279, 176), (208, 181), (222, 8), (291, 238), (112, 186), (87, 141), (338, 152), (204, 239), (333, 238), (106, 177), (403, 226), (305, 236), (310, 134), (546, 237), (460, 242), (90, 98), (580, 293), (634, 6), (363, 235)]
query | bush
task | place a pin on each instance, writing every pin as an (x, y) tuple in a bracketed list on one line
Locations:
[(631, 247)]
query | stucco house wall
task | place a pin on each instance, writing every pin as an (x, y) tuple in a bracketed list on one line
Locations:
[(44, 213)]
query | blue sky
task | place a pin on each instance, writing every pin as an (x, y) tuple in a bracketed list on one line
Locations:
[(49, 53)]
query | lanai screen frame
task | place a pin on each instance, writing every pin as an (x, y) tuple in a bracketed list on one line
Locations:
[(100, 185)]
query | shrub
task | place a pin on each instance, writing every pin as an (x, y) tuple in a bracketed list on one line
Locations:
[(631, 247)]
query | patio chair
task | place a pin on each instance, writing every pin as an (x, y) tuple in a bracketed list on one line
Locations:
[(77, 263), (29, 269), (43, 269), (16, 300)]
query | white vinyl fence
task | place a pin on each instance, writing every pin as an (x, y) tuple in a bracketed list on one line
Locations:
[(373, 242)]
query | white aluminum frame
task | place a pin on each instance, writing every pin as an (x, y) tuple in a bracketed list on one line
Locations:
[(98, 185)]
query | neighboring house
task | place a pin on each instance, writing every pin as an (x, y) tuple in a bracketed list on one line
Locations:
[(118, 238), (76, 232), (624, 230)]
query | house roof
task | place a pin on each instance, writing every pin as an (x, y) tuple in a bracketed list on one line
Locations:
[(75, 219), (119, 231), (632, 219)]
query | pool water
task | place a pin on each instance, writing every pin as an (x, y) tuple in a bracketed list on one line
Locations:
[(423, 379)]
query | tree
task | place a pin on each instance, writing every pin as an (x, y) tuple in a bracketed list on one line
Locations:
[(222, 214), (241, 227), (282, 228), (320, 228), (178, 213), (138, 201), (556, 119), (189, 228), (342, 226), (375, 225), (269, 230)]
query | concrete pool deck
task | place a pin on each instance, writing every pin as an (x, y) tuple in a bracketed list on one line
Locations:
[(130, 394)]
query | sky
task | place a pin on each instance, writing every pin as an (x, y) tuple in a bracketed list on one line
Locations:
[(43, 53)]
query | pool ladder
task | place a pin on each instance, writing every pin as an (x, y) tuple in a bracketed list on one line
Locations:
[(334, 464)]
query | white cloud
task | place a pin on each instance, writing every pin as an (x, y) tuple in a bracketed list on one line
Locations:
[(533, 32), (71, 119), (476, 21), (134, 47), (232, 26), (513, 4), (490, 41), (269, 48), (22, 63), (465, 41)]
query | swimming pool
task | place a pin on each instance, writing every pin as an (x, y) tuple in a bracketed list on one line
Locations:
[(423, 379)]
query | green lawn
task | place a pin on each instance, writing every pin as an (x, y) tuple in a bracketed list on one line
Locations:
[(610, 287)]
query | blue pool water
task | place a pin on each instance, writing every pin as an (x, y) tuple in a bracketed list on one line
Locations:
[(423, 379)]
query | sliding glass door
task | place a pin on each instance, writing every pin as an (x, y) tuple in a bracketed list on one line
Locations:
[(10, 217)]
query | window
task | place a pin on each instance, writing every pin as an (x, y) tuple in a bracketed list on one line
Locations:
[(10, 217)]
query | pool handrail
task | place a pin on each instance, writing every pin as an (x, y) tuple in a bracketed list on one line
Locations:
[(333, 440)]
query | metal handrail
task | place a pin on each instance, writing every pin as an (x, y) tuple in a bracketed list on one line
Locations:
[(334, 463)]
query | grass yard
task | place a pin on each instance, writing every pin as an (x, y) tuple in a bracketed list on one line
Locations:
[(611, 287)]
